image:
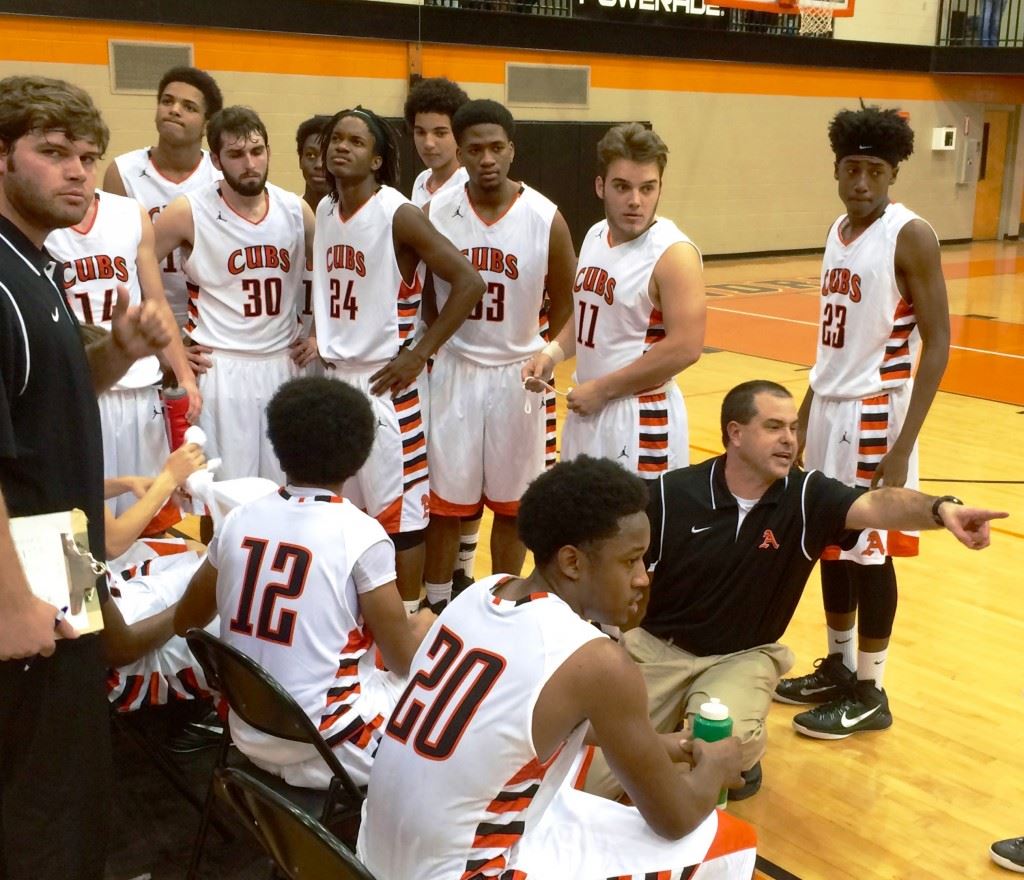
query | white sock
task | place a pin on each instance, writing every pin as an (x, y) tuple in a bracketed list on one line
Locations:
[(871, 666), (438, 592), (841, 641), (411, 606), (467, 552)]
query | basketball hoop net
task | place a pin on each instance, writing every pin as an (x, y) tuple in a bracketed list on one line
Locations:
[(815, 18)]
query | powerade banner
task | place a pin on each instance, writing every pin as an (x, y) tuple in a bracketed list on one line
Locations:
[(687, 13)]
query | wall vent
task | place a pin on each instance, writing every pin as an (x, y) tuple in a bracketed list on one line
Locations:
[(136, 68), (545, 85)]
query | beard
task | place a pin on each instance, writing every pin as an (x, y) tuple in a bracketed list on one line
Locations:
[(251, 186), (25, 196)]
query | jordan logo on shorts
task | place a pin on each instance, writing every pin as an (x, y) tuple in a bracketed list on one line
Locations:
[(768, 541), (845, 438), (624, 453)]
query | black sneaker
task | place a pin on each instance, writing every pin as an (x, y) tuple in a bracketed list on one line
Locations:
[(436, 607), (831, 680), (1009, 854), (751, 784), (460, 581), (866, 708), (207, 733)]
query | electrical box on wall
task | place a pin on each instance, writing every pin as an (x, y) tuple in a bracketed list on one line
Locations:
[(967, 167), (944, 138)]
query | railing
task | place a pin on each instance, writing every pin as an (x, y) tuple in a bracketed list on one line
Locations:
[(763, 22), (981, 23), (726, 19), (555, 8)]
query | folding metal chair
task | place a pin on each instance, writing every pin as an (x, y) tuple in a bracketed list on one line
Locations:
[(302, 848), (254, 695)]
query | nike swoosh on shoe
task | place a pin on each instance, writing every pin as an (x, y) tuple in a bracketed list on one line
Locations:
[(853, 722)]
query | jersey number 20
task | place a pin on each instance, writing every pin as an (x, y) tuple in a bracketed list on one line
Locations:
[(438, 704)]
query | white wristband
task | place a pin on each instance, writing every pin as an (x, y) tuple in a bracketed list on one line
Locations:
[(554, 351)]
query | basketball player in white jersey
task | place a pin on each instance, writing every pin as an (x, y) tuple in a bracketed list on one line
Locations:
[(366, 296), (487, 432), (309, 142), (114, 245), (487, 791), (246, 244), (428, 114), (178, 164), (304, 583), (639, 319), (883, 307)]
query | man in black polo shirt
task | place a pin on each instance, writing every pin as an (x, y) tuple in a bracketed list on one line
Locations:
[(733, 541), (54, 730)]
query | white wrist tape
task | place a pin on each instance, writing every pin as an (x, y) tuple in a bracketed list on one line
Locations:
[(554, 351)]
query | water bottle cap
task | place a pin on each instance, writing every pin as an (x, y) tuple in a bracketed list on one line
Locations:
[(175, 393), (714, 710)]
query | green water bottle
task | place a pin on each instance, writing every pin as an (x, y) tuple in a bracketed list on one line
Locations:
[(711, 724)]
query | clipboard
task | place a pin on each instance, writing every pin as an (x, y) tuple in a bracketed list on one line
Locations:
[(39, 542)]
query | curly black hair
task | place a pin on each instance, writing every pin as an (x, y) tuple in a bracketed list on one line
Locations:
[(385, 145), (433, 95), (575, 503), (871, 131), (322, 430), (482, 112), (313, 125), (213, 100)]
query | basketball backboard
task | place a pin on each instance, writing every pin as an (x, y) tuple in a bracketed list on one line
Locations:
[(840, 8)]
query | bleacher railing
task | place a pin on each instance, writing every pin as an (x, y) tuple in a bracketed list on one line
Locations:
[(998, 23)]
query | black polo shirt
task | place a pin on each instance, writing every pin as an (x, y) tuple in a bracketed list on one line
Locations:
[(51, 448), (714, 591)]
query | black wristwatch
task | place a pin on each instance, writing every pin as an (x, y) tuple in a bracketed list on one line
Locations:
[(952, 499)]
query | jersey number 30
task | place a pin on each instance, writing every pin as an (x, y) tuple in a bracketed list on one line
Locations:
[(438, 704), (289, 560)]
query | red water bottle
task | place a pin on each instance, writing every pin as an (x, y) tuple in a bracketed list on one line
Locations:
[(175, 411), (175, 415)]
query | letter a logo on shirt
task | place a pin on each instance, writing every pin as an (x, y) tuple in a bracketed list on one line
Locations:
[(874, 544), (768, 541)]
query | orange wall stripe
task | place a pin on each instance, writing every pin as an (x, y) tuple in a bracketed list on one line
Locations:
[(65, 41), (30, 39)]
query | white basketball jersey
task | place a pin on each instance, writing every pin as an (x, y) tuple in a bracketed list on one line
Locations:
[(421, 195), (245, 278), (616, 322), (363, 309), (511, 255), (286, 598), (306, 300), (97, 257), (143, 182), (868, 341), (456, 781)]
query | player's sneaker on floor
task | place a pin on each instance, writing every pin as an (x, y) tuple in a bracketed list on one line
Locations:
[(830, 681), (1009, 854), (751, 784), (866, 708), (436, 607), (195, 736), (460, 581)]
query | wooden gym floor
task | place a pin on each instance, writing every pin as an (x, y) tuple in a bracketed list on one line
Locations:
[(927, 797)]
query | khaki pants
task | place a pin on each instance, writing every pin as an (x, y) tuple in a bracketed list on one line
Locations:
[(678, 682)]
